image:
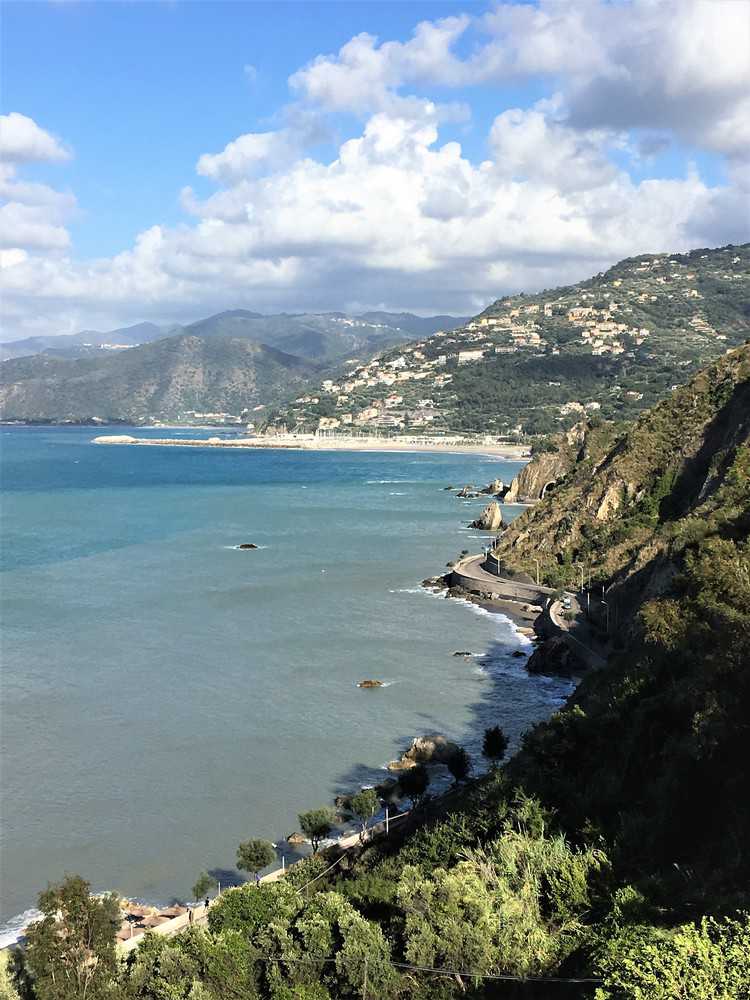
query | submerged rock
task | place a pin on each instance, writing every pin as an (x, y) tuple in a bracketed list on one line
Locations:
[(490, 519), (519, 654)]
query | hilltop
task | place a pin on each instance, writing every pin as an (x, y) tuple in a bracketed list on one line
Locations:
[(534, 364)]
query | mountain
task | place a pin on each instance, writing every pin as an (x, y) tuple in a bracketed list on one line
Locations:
[(168, 379), (319, 337), (324, 337), (85, 343), (533, 364)]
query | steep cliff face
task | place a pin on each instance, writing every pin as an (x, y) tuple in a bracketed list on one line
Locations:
[(615, 514), (545, 469)]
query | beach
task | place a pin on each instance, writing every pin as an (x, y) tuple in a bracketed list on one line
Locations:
[(314, 442)]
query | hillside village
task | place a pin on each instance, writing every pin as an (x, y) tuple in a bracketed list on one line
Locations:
[(615, 342)]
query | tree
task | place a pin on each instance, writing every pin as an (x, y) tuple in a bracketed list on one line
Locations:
[(414, 782), (316, 824), (495, 744), (459, 765), (252, 855), (70, 952), (204, 884), (364, 806)]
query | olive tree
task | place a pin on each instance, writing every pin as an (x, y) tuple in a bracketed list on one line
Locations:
[(252, 855), (317, 824), (204, 884), (364, 805)]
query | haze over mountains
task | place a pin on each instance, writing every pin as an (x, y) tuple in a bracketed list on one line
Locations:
[(316, 336), (227, 363)]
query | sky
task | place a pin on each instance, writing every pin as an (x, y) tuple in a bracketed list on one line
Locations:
[(167, 160)]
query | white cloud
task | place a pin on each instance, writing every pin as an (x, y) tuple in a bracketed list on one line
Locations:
[(23, 141), (397, 218)]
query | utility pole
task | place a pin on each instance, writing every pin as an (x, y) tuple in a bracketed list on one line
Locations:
[(364, 982)]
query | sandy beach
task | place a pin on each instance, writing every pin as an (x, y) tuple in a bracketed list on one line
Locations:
[(312, 442)]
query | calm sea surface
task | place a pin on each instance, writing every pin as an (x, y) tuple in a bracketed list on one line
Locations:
[(165, 695)]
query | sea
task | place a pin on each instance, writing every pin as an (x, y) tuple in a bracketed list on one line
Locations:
[(166, 695)]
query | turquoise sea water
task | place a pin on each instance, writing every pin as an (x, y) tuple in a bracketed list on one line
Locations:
[(165, 695)]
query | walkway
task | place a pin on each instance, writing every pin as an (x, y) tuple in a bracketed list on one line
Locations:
[(200, 912)]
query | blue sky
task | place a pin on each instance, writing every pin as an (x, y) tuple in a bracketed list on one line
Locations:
[(604, 112)]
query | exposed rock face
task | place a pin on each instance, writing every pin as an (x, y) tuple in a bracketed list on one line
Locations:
[(426, 750), (494, 488), (296, 838), (535, 478), (370, 684), (555, 657), (490, 519)]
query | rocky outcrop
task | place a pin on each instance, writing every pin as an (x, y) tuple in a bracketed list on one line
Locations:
[(491, 518), (495, 488), (426, 750), (465, 492), (557, 658), (370, 684), (296, 838)]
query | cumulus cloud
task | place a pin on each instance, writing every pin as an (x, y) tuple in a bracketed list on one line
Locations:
[(396, 217), (23, 141)]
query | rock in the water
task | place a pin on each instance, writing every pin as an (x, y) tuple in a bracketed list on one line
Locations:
[(247, 545), (495, 487), (431, 750), (519, 654), (463, 652), (370, 684), (555, 657), (296, 838), (448, 488), (490, 519), (466, 491)]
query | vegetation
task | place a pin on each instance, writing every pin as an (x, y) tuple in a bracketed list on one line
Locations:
[(413, 783), (495, 744), (204, 884), (317, 824), (70, 951), (254, 855), (364, 805)]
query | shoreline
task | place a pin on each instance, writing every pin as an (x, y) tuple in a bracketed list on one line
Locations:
[(292, 443)]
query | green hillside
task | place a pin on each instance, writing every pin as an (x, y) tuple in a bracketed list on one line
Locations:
[(169, 379), (532, 364)]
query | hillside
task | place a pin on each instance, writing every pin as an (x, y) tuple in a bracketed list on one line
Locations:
[(170, 379), (534, 364)]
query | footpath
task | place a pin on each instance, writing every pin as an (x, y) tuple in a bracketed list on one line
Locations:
[(180, 922)]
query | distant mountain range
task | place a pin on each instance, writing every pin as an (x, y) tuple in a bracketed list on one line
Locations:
[(320, 337), (227, 363)]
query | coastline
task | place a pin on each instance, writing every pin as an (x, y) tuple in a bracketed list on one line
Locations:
[(290, 442), (510, 610)]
